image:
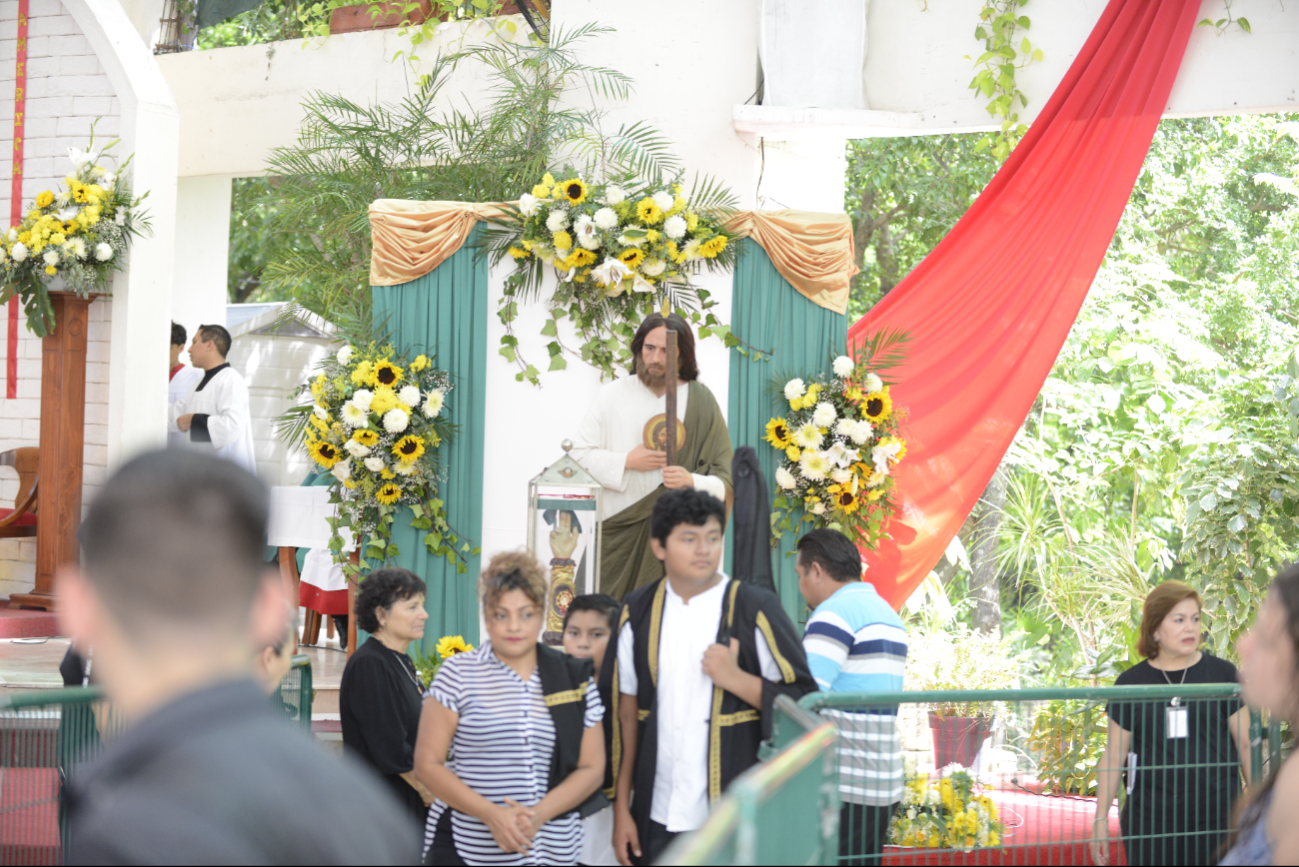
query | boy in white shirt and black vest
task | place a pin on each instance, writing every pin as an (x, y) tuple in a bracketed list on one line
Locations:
[(700, 658)]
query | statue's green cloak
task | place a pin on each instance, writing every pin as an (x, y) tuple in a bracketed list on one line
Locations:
[(626, 560)]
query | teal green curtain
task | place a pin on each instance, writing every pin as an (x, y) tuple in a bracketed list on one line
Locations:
[(444, 313), (770, 315)]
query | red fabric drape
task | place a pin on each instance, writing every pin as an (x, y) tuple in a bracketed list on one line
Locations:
[(990, 307)]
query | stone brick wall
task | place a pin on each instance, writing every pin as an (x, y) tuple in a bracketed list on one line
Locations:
[(67, 90)]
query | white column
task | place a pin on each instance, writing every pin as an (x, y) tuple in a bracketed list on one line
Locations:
[(198, 290)]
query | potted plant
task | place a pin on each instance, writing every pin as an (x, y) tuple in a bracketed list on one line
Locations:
[(960, 658), (398, 13)]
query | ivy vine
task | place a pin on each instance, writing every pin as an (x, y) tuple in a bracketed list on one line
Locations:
[(999, 26)]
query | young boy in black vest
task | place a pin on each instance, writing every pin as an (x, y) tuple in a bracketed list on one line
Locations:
[(699, 660)]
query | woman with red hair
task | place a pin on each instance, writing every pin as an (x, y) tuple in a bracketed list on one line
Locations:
[(1179, 758)]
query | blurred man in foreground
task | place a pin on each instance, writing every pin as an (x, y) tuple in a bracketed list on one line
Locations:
[(176, 601)]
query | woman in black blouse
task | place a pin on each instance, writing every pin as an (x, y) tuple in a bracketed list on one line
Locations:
[(1181, 761), (381, 695)]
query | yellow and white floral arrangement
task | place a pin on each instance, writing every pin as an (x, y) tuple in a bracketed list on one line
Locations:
[(375, 423), (78, 233), (619, 249), (837, 448), (952, 813), (427, 665)]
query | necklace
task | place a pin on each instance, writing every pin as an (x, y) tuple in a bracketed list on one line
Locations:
[(406, 666), (1170, 680)]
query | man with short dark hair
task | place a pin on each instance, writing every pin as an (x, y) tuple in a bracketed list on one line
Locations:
[(855, 642), (215, 414), (176, 600), (699, 661), (181, 378), (622, 443)]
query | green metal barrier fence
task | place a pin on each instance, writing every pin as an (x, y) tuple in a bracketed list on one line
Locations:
[(45, 734), (796, 787), (1009, 777)]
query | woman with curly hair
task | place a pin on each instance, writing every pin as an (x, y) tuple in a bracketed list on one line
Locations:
[(1269, 678), (380, 697), (510, 740)]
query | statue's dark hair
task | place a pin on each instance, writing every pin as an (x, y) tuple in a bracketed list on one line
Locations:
[(688, 369)]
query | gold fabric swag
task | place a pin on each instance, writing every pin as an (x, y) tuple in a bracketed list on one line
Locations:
[(812, 251)]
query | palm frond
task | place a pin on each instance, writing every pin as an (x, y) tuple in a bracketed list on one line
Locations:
[(883, 350)]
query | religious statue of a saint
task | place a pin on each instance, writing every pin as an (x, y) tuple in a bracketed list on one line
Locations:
[(563, 570), (622, 443)]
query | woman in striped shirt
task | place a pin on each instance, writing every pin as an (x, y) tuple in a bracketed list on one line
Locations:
[(510, 740)]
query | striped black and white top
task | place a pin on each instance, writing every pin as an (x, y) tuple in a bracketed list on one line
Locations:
[(503, 748)]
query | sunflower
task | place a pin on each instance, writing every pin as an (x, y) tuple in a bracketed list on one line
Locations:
[(778, 433), (450, 645), (844, 499), (578, 258), (409, 448), (574, 190), (325, 454), (388, 494), (386, 373), (714, 245), (631, 257), (648, 212), (877, 406), (366, 438)]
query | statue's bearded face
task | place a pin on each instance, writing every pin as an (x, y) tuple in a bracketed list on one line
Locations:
[(652, 363)]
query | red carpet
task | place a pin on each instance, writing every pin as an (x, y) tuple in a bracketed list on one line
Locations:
[(1039, 830), (26, 623)]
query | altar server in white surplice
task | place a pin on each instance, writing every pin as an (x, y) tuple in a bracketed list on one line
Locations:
[(215, 415), (181, 379)]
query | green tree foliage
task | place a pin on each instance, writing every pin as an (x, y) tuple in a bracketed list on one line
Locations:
[(1163, 444), (253, 207), (903, 195)]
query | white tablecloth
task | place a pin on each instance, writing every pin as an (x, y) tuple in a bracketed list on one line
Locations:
[(300, 518)]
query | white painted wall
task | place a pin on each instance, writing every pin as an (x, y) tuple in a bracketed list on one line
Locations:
[(917, 74), (198, 289)]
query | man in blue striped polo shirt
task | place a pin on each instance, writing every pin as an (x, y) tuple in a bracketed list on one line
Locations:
[(855, 642)]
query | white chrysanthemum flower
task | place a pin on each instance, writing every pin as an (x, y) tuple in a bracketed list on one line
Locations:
[(845, 426), (433, 404), (103, 252), (75, 247), (840, 476), (405, 468), (871, 383), (824, 415), (794, 389), (653, 267), (395, 421), (813, 466), (345, 355), (363, 398), (409, 395), (843, 367), (355, 449), (614, 194), (610, 272), (785, 479), (50, 258), (882, 455), (528, 204), (606, 219), (19, 252), (374, 464), (818, 508), (557, 220), (675, 227), (320, 412), (809, 436), (355, 416), (342, 471), (664, 200)]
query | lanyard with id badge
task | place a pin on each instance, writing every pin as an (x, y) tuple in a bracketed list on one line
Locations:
[(1176, 719)]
